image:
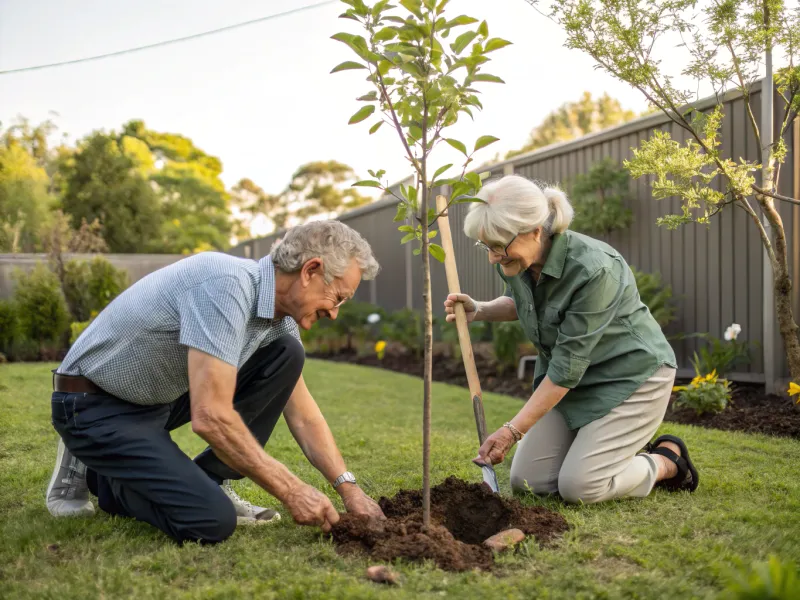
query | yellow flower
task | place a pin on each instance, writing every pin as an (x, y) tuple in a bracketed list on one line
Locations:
[(380, 349), (712, 377), (679, 388), (794, 390), (697, 380)]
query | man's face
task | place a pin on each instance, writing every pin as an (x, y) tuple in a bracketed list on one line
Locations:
[(314, 299)]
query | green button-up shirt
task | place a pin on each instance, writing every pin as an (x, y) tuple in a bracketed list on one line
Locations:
[(593, 333)]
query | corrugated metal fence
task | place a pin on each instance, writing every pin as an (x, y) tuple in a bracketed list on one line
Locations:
[(716, 273)]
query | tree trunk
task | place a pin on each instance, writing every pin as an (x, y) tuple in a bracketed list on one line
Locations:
[(427, 360), (782, 285)]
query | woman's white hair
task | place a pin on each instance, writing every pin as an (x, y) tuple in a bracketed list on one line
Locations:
[(332, 241), (515, 205)]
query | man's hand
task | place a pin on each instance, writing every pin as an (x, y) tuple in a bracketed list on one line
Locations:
[(358, 503), (309, 506), (495, 447)]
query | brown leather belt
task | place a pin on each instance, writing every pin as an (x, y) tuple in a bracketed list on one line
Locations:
[(74, 384)]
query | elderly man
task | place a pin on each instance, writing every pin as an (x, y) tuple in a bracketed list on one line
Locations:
[(212, 340)]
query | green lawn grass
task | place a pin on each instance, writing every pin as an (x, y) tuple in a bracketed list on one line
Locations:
[(665, 546)]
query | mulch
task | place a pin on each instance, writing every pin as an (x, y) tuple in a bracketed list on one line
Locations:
[(751, 409)]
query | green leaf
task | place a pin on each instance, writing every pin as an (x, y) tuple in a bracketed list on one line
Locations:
[(371, 97), (415, 133), (349, 15), (406, 228), (474, 180), (381, 173), (457, 145), (437, 252), (402, 210), (408, 238), (487, 77), (416, 252), (347, 65), (385, 34), (375, 127), (483, 29), (484, 141), (495, 44), (394, 19), (461, 20), (367, 183), (413, 6), (465, 199), (363, 113), (463, 41), (441, 170), (432, 234), (357, 44), (440, 7)]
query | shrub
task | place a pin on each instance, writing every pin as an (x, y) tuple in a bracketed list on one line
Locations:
[(352, 322), (656, 296), (76, 328), (705, 394), (506, 338), (41, 308), (89, 286), (598, 199), (9, 325), (721, 355), (405, 327), (772, 580)]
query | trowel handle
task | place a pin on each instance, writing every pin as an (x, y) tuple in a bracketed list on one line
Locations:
[(461, 319)]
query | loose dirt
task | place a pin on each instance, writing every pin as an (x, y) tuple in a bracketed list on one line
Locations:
[(463, 515)]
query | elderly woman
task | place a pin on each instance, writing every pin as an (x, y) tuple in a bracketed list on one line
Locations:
[(604, 371)]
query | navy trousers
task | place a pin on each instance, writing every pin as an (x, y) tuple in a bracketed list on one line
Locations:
[(136, 470)]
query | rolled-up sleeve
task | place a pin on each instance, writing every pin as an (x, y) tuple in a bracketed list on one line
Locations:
[(214, 316), (591, 310)]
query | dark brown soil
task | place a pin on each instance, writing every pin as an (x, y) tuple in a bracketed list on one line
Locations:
[(752, 411), (463, 515)]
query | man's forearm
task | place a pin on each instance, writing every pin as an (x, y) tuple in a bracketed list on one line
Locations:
[(232, 442), (499, 309), (316, 440)]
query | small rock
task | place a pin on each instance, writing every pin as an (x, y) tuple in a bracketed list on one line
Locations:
[(504, 540), (382, 574)]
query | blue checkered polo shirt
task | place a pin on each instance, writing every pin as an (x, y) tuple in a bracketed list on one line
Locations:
[(137, 347)]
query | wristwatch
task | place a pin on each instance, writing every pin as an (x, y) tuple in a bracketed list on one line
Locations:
[(346, 477)]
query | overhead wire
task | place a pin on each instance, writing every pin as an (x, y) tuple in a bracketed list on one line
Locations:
[(168, 42)]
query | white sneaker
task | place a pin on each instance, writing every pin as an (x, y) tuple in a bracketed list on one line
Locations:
[(67, 494), (246, 513)]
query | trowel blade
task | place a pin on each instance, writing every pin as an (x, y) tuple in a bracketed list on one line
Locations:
[(490, 478)]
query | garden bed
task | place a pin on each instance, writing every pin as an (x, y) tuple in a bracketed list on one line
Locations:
[(463, 516), (751, 411)]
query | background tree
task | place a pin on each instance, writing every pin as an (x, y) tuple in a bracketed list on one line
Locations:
[(24, 198), (599, 199), (194, 203), (316, 190), (420, 88), (103, 180), (728, 47), (576, 119)]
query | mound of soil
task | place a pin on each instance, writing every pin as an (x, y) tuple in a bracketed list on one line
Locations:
[(463, 515)]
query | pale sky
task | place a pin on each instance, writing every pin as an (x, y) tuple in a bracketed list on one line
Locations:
[(261, 97)]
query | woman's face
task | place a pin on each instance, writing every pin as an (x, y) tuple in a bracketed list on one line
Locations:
[(518, 255)]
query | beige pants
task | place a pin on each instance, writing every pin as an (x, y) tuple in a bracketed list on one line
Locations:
[(598, 461)]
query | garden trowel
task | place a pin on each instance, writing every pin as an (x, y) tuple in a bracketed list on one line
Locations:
[(489, 476)]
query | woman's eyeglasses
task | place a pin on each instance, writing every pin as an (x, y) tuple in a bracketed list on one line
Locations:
[(500, 250)]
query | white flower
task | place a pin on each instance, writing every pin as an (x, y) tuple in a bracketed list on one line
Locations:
[(732, 332), (373, 318)]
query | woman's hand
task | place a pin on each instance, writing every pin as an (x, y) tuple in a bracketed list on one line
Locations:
[(495, 447), (470, 307)]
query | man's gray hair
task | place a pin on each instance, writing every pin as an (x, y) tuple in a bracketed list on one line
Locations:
[(332, 241)]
